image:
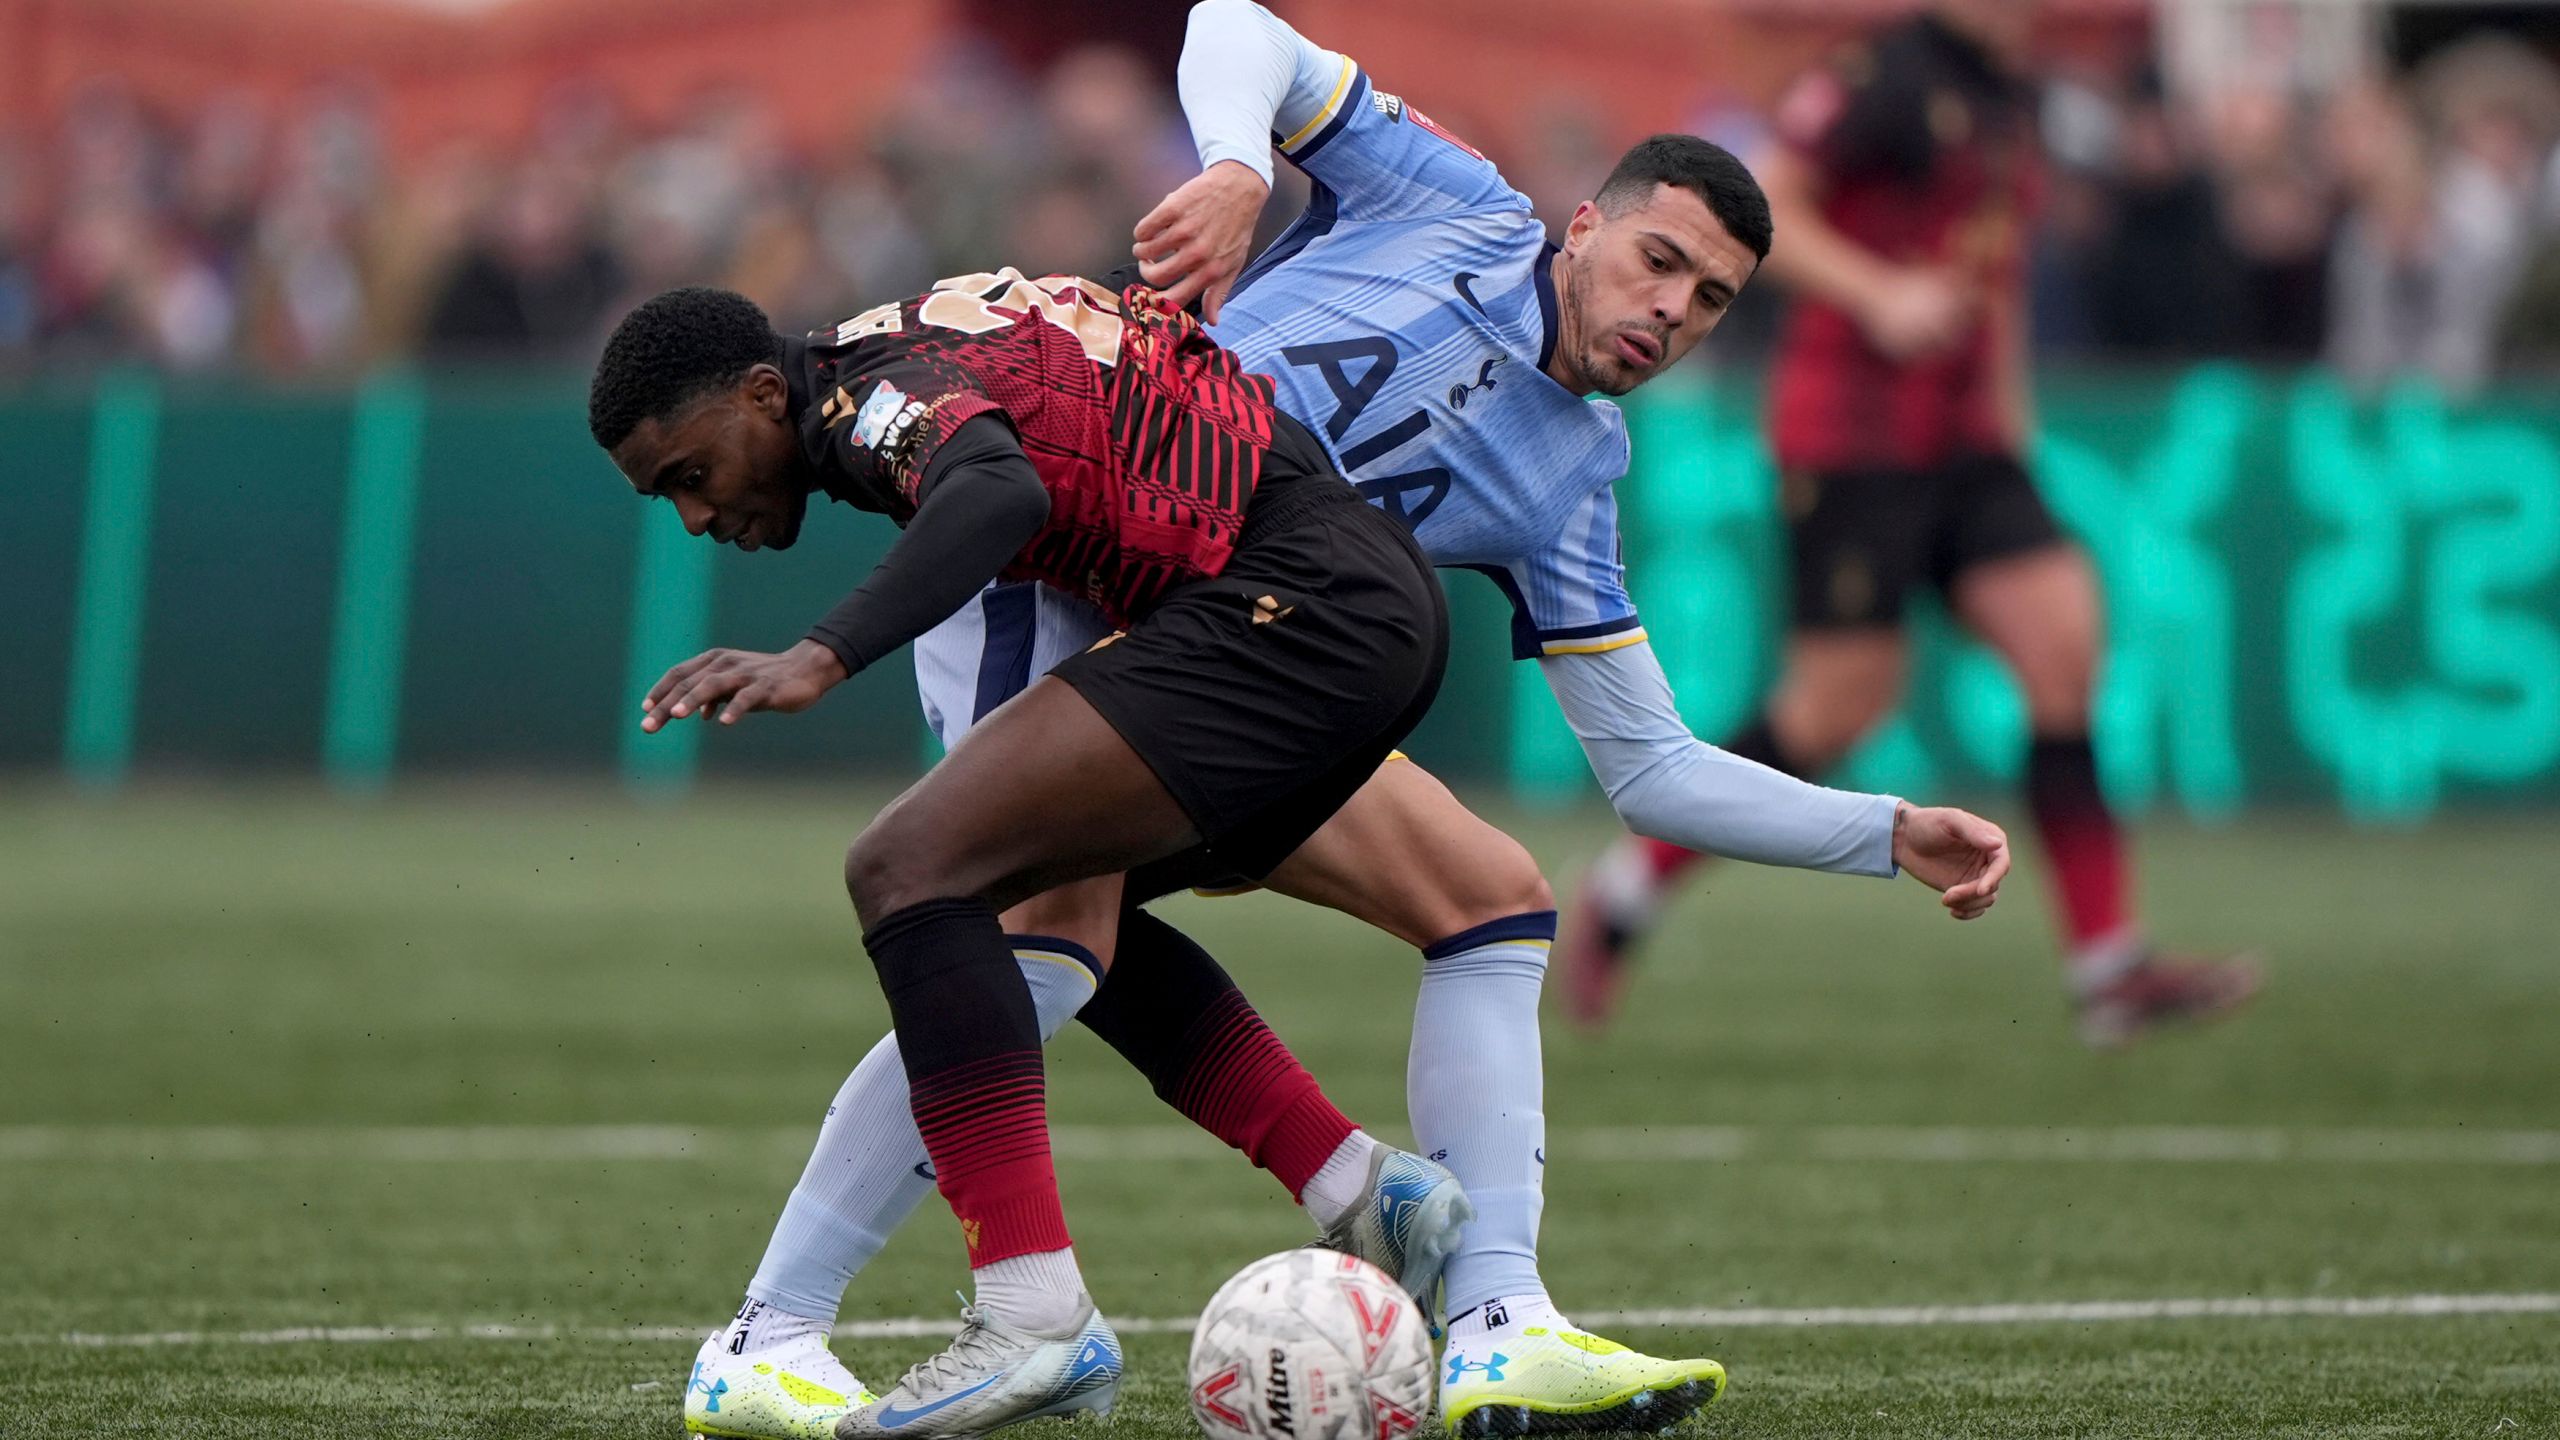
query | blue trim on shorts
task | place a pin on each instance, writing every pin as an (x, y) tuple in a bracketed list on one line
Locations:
[(1012, 612), (1527, 925)]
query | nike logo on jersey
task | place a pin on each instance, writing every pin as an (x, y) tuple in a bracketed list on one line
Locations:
[(1466, 294)]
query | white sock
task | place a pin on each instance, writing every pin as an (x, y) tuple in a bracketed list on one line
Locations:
[(1475, 1087), (1505, 1314), (1042, 1292), (868, 1171), (763, 1326), (2100, 963), (1339, 1183), (1622, 883)]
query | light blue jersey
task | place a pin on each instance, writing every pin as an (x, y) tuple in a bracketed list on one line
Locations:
[(1407, 318)]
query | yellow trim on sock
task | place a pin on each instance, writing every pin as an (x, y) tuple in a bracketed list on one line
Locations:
[(1060, 957)]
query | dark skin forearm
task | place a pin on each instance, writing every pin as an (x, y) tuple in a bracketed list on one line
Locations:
[(982, 501)]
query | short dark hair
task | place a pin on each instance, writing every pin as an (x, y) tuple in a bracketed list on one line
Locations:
[(672, 349), (1704, 169)]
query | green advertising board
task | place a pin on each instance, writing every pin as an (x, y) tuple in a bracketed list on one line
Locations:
[(2311, 598)]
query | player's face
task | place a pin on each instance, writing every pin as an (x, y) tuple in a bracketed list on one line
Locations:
[(731, 464), (1642, 287)]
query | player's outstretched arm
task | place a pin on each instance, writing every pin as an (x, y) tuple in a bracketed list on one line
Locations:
[(982, 501), (1668, 784)]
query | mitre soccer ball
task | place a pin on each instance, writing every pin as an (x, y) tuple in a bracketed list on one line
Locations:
[(1310, 1345)]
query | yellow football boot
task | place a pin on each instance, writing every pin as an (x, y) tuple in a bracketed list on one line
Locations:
[(1551, 1379)]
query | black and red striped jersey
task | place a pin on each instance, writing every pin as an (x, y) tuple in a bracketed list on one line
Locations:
[(1148, 435), (1927, 155)]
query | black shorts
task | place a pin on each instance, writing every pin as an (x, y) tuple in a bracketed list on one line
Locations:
[(1265, 697), (1863, 540)]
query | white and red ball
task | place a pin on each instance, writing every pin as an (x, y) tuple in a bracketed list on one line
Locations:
[(1311, 1345)]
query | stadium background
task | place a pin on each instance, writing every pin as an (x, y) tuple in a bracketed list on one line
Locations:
[(365, 977)]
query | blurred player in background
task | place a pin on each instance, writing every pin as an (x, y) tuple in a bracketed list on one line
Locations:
[(1902, 184), (1418, 319)]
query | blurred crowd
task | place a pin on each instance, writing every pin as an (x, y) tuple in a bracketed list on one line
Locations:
[(291, 244), (2400, 225), (2403, 225)]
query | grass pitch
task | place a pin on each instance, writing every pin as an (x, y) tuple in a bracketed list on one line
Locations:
[(461, 1114)]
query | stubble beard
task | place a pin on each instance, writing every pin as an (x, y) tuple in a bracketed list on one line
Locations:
[(1593, 371)]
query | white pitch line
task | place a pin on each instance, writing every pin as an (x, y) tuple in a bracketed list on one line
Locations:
[(2171, 1144), (1614, 1145), (1747, 1317)]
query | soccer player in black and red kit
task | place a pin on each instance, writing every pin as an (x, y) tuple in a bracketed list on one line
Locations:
[(1280, 638), (1902, 184)]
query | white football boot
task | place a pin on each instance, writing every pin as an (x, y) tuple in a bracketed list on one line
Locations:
[(797, 1390), (993, 1376)]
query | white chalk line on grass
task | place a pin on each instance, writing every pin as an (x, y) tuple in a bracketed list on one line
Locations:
[(1614, 1145), (1748, 1317)]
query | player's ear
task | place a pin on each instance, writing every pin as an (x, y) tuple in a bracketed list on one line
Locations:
[(1586, 218), (768, 392)]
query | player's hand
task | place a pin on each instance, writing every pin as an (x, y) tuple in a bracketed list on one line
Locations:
[(1194, 243), (1919, 312), (734, 683), (1963, 857)]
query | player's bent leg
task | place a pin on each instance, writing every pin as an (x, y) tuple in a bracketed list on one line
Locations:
[(768, 1374), (1404, 855), (1174, 1014), (1407, 857), (1085, 914), (1045, 791), (1260, 701), (1840, 682), (2040, 610)]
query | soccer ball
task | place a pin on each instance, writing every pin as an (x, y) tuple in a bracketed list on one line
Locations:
[(1310, 1345)]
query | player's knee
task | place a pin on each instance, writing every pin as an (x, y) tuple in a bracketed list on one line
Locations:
[(1514, 885), (2056, 681), (885, 872), (1499, 881)]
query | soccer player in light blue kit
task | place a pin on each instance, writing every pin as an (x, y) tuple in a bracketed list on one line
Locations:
[(1417, 319)]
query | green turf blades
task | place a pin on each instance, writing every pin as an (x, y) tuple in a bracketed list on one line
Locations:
[(416, 984)]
